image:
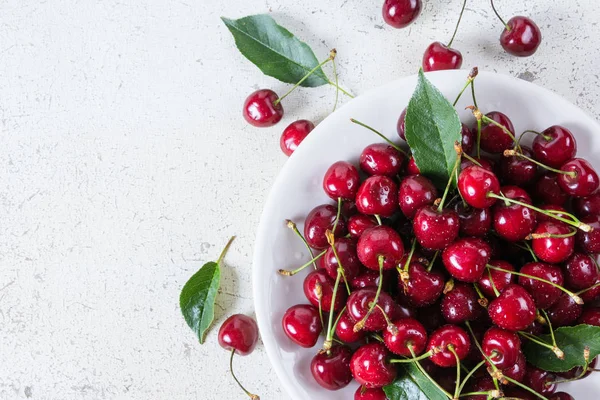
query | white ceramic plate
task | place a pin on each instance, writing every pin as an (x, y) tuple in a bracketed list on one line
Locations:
[(298, 189)]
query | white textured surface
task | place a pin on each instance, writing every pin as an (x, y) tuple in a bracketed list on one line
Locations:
[(125, 164)]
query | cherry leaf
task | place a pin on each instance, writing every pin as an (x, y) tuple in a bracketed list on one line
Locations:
[(413, 385)]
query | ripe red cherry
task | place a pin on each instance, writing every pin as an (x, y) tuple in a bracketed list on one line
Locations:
[(473, 221), (409, 332), (448, 335), (370, 366), (585, 181), (411, 167), (311, 291), (438, 57), (359, 223), (517, 371), (546, 190), (460, 304), (331, 369), (381, 159), (260, 109), (378, 195), (468, 139), (466, 258), (523, 38), (513, 310), (514, 222), (347, 254), (294, 134), (435, 229), (359, 303), (380, 241), (344, 330), (586, 206), (240, 333), (401, 126), (341, 181), (590, 316), (589, 242), (518, 171), (302, 324), (320, 220), (502, 347), (369, 394), (422, 288), (553, 250), (401, 13), (554, 146), (415, 192), (565, 311), (581, 271), (592, 294), (541, 381), (493, 139), (501, 279), (474, 183)]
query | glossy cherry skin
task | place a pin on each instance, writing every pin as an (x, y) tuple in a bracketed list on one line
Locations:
[(423, 288), (468, 139), (539, 380), (501, 279), (502, 347), (474, 183), (561, 396), (380, 241), (347, 254), (359, 223), (590, 316), (460, 304), (513, 310), (584, 183), (442, 338), (522, 39), (543, 294), (518, 171), (344, 330), (401, 127), (370, 366), (358, 305), (381, 159), (592, 294), (589, 242), (341, 181), (411, 167), (586, 206), (311, 291), (370, 278), (439, 57), (401, 13), (517, 371), (260, 109), (302, 324), (331, 369), (564, 312), (369, 394), (466, 258), (546, 190), (238, 332), (473, 221), (435, 229), (378, 195), (553, 250), (410, 332), (514, 222), (580, 271), (415, 192), (493, 138), (318, 221), (554, 147), (294, 134)]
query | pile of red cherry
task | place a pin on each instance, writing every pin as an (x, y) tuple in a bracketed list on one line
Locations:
[(404, 276)]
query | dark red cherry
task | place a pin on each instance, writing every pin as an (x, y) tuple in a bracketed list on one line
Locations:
[(592, 293), (502, 347), (401, 13), (546, 190), (294, 134), (554, 146), (474, 183), (344, 330), (539, 380), (359, 223), (331, 368), (380, 241), (561, 396), (238, 332), (370, 366), (320, 220), (590, 316), (500, 279), (346, 252), (564, 312), (402, 311), (514, 222), (302, 324), (415, 192), (448, 335), (583, 183), (438, 57), (381, 159), (341, 181), (319, 282), (517, 371), (423, 288), (435, 229), (522, 39), (378, 195), (551, 207), (586, 206), (468, 139), (400, 127), (514, 309), (370, 278), (359, 303), (363, 393), (411, 167), (431, 317), (466, 258), (516, 170), (553, 250), (409, 333), (493, 138), (589, 242), (581, 271), (260, 109), (473, 221), (460, 304)]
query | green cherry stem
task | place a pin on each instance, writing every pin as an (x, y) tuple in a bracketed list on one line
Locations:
[(337, 320), (559, 353), (496, 292), (329, 338), (458, 149), (457, 24), (337, 216), (488, 120), (293, 272), (410, 360), (513, 153), (381, 135), (474, 161), (435, 255), (292, 225), (378, 218), (224, 251), (531, 251), (470, 79), (473, 94), (548, 138), (590, 288), (551, 235), (252, 396), (499, 17), (403, 272), (457, 386), (305, 77), (420, 368), (483, 301), (360, 324), (537, 341), (337, 88), (486, 358), (468, 376)]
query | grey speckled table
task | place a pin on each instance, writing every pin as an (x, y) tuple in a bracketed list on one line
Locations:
[(125, 164)]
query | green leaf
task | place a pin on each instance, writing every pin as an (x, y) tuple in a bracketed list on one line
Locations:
[(276, 51), (432, 127), (414, 385), (571, 340)]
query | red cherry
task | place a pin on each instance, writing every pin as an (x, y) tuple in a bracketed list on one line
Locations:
[(541, 381), (294, 134), (586, 206), (522, 39), (320, 220), (331, 369), (381, 159), (344, 330), (401, 13), (501, 347), (561, 396), (411, 167), (409, 332), (435, 229), (238, 332), (302, 324), (260, 109), (501, 279), (592, 293), (380, 241), (546, 190), (359, 303), (378, 195), (589, 242), (483, 162), (553, 250), (438, 57), (513, 310), (346, 252), (466, 258), (415, 192), (554, 146), (341, 181), (448, 335), (401, 126), (474, 183), (311, 291), (473, 221), (581, 271), (517, 371), (370, 278), (468, 139), (585, 181), (565, 311), (590, 316), (370, 366), (460, 304), (493, 138), (359, 223), (363, 393), (423, 287), (518, 171), (514, 222)]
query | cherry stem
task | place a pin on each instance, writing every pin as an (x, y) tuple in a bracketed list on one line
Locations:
[(381, 135), (360, 324), (319, 290), (555, 349), (496, 292), (486, 358), (538, 341), (531, 251), (470, 78), (483, 301), (458, 23), (499, 17), (414, 359), (412, 353), (292, 225), (430, 266), (305, 77), (511, 153), (548, 138), (337, 320), (329, 337), (468, 376), (295, 271), (573, 222), (549, 235), (252, 396), (378, 218), (474, 161), (337, 216), (222, 255), (478, 137), (457, 386), (458, 149), (488, 120), (511, 380), (590, 288), (575, 298), (341, 269), (337, 88), (404, 271)]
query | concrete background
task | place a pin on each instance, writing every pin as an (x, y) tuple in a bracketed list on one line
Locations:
[(125, 164)]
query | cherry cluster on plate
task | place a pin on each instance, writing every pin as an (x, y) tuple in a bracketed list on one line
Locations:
[(409, 273)]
